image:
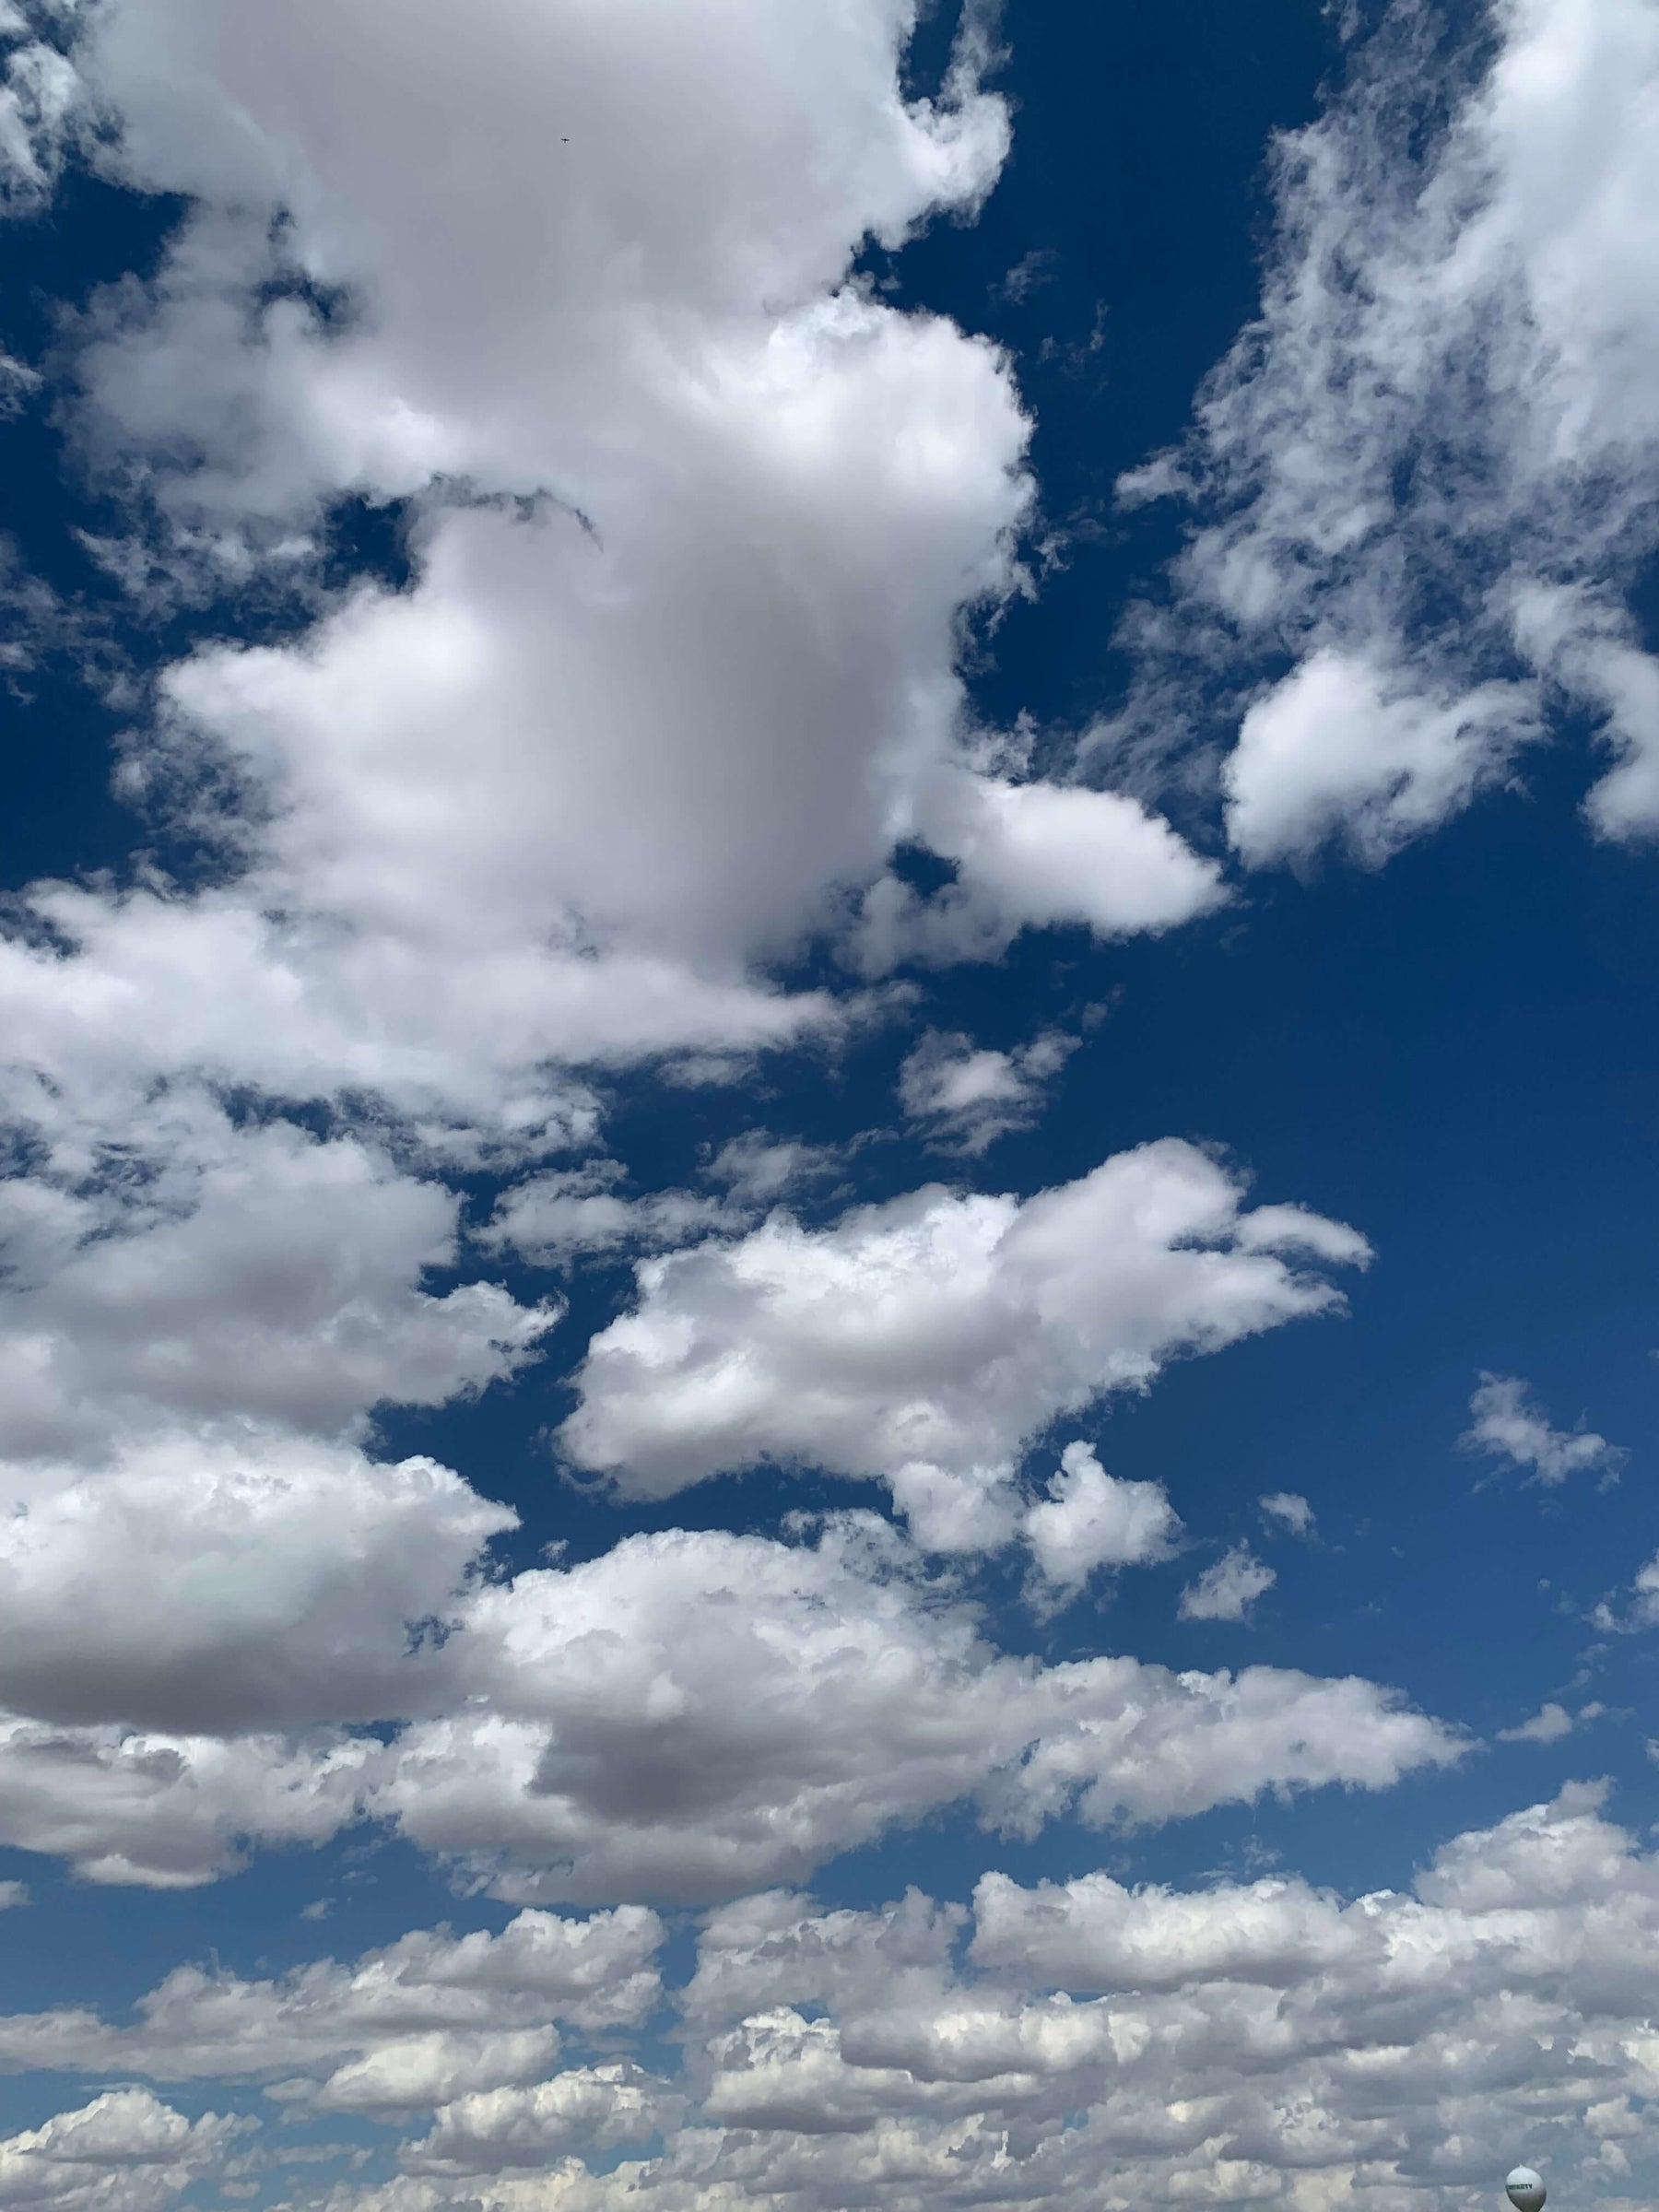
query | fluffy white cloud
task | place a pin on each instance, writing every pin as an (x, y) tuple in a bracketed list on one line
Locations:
[(695, 1712), (966, 1098), (170, 1811), (206, 1273), (237, 1581), (1094, 2043), (1547, 1725), (1030, 853), (685, 1716), (922, 1341), (778, 1948), (586, 2107), (1407, 479), (520, 815), (124, 2152), (1642, 1610), (1338, 749), (408, 2073), (408, 2024), (1229, 1589), (1091, 1519), (1508, 1426), (516, 819)]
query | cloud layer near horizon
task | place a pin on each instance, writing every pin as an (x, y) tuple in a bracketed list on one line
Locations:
[(1080, 2043)]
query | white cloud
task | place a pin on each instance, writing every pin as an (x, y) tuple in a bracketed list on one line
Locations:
[(685, 1716), (1034, 855), (519, 818), (124, 2152), (12, 1895), (923, 1341), (966, 1098), (514, 821), (403, 2024), (593, 2108), (169, 1811), (1091, 1519), (759, 1169), (198, 1271), (409, 2073), (1547, 1725), (40, 99), (1288, 1511), (1338, 749), (237, 1581), (570, 1211), (1097, 2044), (1643, 1609), (1508, 1426), (1408, 476), (696, 1713), (779, 1947), (1229, 1589)]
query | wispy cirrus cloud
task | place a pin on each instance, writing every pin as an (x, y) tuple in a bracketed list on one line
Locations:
[(1507, 1425), (1426, 472)]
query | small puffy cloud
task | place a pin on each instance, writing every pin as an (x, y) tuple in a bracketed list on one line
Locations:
[(966, 1098), (922, 1341), (1035, 855), (758, 1168), (1045, 853), (1508, 1426), (1339, 749), (12, 1895), (586, 2107), (1229, 1589), (411, 2073), (1547, 1725), (1286, 1509), (1091, 1519), (779, 1947), (1642, 1610)]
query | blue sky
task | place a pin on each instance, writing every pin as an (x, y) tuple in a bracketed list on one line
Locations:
[(827, 957)]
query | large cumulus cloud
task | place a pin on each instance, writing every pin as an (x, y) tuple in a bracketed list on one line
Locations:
[(923, 1341), (683, 1717)]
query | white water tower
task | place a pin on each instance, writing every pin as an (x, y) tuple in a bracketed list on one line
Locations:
[(1525, 2190)]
